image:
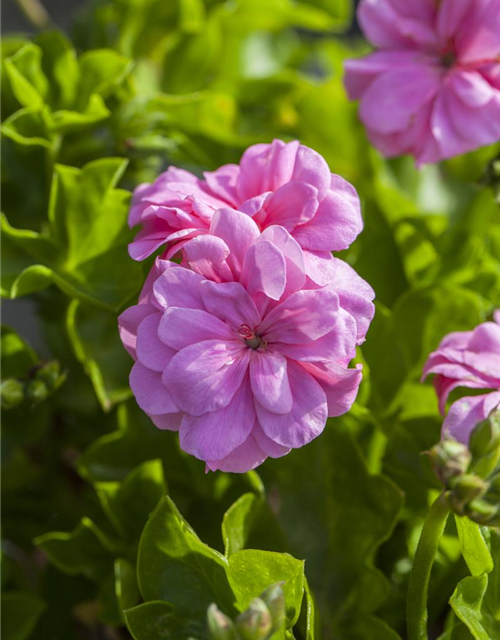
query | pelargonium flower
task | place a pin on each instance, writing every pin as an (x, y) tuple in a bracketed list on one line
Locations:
[(236, 351), (433, 87), (467, 359), (285, 184)]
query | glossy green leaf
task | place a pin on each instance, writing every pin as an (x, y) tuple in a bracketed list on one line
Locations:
[(151, 620), (17, 355), (94, 336), (176, 566), (474, 546), (250, 572)]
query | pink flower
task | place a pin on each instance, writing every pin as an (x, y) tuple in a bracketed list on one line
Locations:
[(238, 350), (275, 184), (467, 359), (433, 88)]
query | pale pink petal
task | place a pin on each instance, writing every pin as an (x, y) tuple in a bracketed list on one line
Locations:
[(301, 318), (151, 351), (292, 204), (204, 376), (230, 302), (293, 254), (465, 414), (245, 458), (264, 270), (308, 416), (215, 435), (340, 385), (238, 231), (222, 183), (179, 287), (168, 421), (151, 395), (269, 380), (178, 328), (320, 266), (128, 323), (268, 446), (207, 256)]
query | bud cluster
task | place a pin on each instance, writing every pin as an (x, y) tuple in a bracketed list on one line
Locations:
[(471, 474), (263, 618), (41, 382)]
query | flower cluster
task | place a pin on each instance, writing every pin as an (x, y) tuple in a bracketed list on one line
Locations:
[(244, 347), (433, 87), (467, 359)]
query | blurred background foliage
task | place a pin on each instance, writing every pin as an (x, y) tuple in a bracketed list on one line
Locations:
[(132, 87)]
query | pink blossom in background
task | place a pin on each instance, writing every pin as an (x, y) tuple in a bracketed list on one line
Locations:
[(239, 350), (284, 184), (432, 89), (467, 359)]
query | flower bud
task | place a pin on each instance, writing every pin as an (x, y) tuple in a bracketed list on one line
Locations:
[(483, 512), (50, 374), (219, 625), (484, 445), (12, 393), (37, 391), (274, 598), (255, 623), (464, 489), (449, 459)]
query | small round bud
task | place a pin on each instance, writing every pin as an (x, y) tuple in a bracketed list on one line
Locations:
[(274, 598), (449, 459), (37, 391), (219, 625), (50, 373), (464, 489), (483, 512), (255, 623), (12, 393)]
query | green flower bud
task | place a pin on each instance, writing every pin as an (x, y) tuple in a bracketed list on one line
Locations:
[(449, 459), (37, 391), (274, 598), (255, 623), (483, 512), (464, 489), (219, 625), (12, 393), (484, 445)]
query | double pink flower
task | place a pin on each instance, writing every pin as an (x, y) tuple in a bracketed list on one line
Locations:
[(433, 87), (467, 359), (244, 348)]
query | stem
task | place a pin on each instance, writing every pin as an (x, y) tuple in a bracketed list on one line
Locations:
[(416, 610), (36, 13)]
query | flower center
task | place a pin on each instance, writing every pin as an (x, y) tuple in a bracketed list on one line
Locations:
[(251, 339), (448, 55)]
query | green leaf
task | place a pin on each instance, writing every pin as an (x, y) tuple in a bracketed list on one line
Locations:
[(476, 600), (129, 503), (27, 127), (174, 565), (60, 66), (249, 522), (93, 333), (26, 77), (114, 455), (361, 627), (251, 572), (86, 551), (20, 613), (152, 620), (350, 511), (17, 355), (473, 546), (126, 587)]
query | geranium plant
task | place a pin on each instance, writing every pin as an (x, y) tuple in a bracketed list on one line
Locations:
[(251, 340)]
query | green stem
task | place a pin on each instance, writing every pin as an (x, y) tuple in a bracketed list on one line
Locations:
[(36, 13), (421, 571)]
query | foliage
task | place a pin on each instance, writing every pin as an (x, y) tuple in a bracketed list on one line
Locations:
[(106, 523)]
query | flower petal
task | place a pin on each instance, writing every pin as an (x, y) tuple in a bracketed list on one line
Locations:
[(245, 458), (151, 351), (269, 381), (238, 231), (128, 324), (179, 287), (207, 255), (151, 395), (264, 270), (465, 414), (205, 376), (307, 417), (213, 436), (179, 328), (230, 302)]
